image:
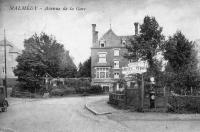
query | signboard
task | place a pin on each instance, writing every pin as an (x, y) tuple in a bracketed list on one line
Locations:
[(135, 67)]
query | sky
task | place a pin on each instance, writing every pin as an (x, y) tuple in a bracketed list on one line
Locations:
[(73, 29)]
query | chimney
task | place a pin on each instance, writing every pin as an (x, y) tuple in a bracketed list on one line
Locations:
[(96, 36), (136, 28), (93, 33)]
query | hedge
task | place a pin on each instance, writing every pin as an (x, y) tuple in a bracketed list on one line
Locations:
[(184, 104)]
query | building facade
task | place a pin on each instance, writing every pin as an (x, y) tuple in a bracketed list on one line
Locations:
[(11, 53), (107, 58)]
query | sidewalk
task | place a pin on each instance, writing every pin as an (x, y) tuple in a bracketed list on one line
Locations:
[(101, 107)]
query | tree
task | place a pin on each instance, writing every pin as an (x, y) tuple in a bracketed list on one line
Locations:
[(42, 54), (182, 63), (147, 44), (67, 66), (85, 69)]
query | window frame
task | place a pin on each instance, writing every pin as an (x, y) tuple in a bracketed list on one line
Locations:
[(102, 42), (115, 52), (102, 57), (116, 73), (123, 42), (102, 71), (116, 65)]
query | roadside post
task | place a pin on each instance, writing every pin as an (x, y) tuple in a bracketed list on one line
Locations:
[(166, 99)]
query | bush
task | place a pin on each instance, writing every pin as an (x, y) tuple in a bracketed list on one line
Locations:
[(77, 82), (95, 89), (61, 92), (81, 90), (184, 104)]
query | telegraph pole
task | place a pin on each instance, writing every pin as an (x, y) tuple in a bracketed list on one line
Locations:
[(5, 81)]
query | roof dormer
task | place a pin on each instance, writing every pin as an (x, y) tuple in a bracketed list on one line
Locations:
[(123, 42), (102, 43)]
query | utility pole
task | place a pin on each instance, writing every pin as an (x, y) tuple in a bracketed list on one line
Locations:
[(5, 81)]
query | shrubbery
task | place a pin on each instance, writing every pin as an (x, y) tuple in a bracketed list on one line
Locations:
[(61, 92), (81, 90), (77, 82), (184, 104), (64, 90), (95, 89)]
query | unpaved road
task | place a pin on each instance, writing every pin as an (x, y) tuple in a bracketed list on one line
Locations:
[(56, 115), (69, 115)]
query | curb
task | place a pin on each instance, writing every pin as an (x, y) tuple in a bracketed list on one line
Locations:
[(95, 112)]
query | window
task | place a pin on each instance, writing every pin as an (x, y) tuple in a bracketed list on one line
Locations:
[(116, 64), (116, 52), (102, 72), (116, 75), (102, 44), (123, 42), (102, 57)]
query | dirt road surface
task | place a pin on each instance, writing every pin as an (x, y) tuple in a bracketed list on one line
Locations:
[(69, 115)]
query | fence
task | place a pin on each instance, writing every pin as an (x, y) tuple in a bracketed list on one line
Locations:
[(117, 99), (21, 94), (133, 99)]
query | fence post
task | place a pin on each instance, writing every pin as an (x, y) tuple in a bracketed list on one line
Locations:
[(126, 95), (142, 94), (165, 97)]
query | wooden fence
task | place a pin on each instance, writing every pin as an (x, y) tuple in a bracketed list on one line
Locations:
[(132, 99), (117, 99)]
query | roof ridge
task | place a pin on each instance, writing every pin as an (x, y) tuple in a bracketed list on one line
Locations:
[(108, 31)]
